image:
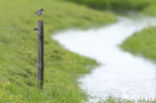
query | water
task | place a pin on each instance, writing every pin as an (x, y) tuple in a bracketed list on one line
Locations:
[(120, 74)]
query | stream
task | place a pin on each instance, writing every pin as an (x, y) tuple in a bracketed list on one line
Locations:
[(121, 74)]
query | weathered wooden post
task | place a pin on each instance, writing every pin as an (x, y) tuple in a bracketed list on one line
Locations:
[(40, 66)]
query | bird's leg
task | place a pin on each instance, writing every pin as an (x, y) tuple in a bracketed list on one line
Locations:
[(39, 18)]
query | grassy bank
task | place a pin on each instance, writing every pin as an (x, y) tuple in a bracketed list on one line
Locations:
[(115, 100), (150, 10), (18, 55), (144, 42), (117, 4)]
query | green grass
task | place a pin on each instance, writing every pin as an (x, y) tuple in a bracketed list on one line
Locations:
[(150, 10), (18, 45), (18, 51), (142, 43), (117, 4), (114, 100)]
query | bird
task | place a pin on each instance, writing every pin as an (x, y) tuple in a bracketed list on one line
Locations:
[(39, 13)]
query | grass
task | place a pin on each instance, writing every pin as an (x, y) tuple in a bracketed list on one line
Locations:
[(117, 4), (150, 10), (18, 45), (114, 100), (143, 43), (18, 55)]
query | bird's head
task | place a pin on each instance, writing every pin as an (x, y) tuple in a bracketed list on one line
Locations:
[(42, 9)]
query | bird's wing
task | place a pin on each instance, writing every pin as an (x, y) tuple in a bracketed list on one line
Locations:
[(36, 12)]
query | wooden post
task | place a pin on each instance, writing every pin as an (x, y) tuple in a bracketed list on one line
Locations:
[(40, 73)]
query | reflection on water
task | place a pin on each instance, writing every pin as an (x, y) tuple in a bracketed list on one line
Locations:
[(120, 73)]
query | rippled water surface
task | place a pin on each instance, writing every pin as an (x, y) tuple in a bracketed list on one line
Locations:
[(121, 74)]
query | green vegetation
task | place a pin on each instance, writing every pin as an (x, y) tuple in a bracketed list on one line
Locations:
[(150, 10), (18, 55), (113, 100), (18, 45), (143, 42), (117, 4)]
